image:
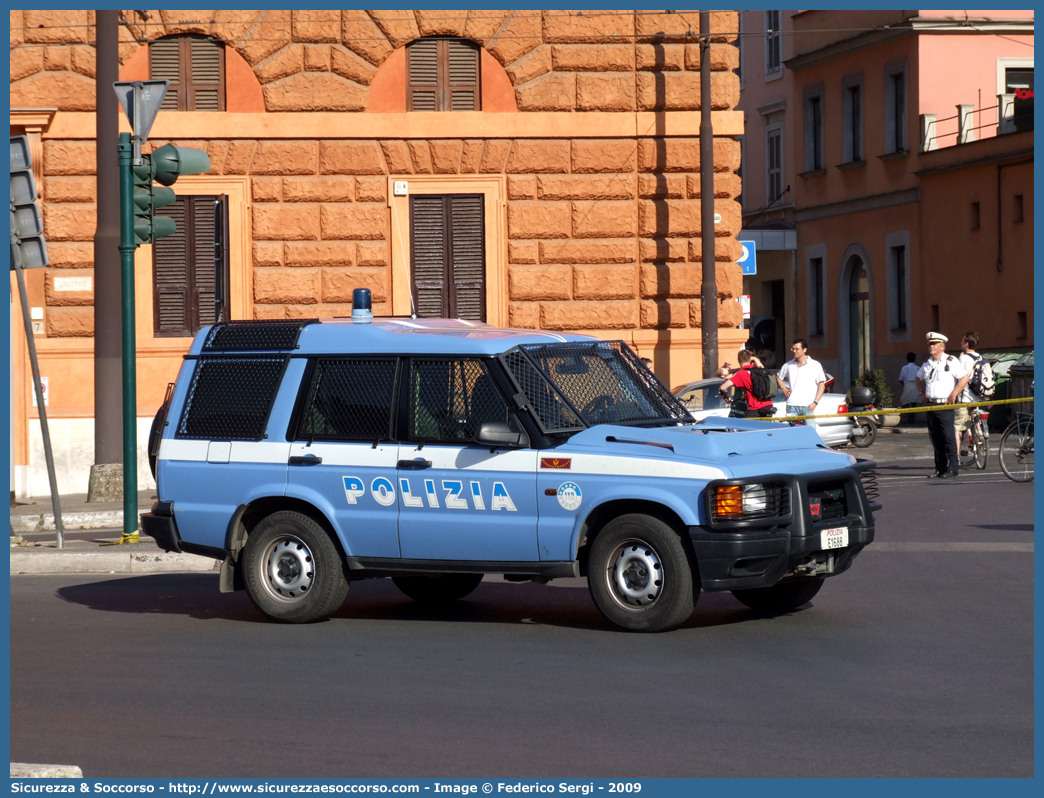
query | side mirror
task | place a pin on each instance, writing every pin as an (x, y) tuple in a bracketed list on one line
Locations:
[(500, 434)]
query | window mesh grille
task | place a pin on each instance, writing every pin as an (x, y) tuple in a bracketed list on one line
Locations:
[(554, 414), (230, 397), (258, 334), (451, 399), (349, 400)]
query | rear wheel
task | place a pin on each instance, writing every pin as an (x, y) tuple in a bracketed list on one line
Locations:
[(639, 575), (780, 598), (865, 432), (438, 588), (292, 569), (982, 445)]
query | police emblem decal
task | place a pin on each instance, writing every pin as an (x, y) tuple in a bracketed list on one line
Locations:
[(569, 495)]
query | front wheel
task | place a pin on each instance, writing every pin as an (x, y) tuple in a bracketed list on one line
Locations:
[(865, 432), (292, 569), (640, 576), (438, 588), (780, 598), (1016, 451)]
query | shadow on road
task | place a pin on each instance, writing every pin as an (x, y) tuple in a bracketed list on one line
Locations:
[(196, 596)]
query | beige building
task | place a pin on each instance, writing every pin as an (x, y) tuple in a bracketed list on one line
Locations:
[(525, 168)]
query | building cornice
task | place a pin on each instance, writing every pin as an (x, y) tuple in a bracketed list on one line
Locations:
[(33, 119), (1019, 156), (909, 27), (859, 205)]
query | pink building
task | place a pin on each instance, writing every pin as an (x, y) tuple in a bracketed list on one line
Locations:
[(888, 176)]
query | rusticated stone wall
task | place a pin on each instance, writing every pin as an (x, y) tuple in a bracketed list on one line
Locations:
[(326, 60), (602, 234)]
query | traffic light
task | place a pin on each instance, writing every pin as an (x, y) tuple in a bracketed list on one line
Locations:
[(28, 246), (164, 166)]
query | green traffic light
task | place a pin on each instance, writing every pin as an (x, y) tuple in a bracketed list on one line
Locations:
[(170, 162)]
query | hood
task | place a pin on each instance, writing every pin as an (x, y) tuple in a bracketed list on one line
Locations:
[(740, 447)]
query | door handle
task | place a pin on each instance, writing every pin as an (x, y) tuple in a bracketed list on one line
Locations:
[(415, 464), (307, 459)]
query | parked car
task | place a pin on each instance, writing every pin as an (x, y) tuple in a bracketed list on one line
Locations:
[(307, 454), (703, 399)]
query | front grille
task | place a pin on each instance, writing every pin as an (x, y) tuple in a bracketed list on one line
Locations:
[(868, 477), (727, 502), (833, 503)]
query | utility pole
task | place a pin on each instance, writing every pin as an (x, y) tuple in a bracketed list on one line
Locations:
[(105, 480), (709, 286)]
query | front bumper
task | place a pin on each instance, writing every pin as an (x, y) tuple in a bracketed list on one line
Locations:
[(750, 554)]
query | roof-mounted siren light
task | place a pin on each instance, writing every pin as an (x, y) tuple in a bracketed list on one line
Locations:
[(362, 306)]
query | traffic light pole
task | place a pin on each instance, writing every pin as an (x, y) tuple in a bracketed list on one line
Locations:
[(130, 377)]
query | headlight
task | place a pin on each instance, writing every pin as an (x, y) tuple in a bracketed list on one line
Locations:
[(744, 502)]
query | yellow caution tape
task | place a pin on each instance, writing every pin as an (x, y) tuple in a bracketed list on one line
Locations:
[(131, 538), (895, 411)]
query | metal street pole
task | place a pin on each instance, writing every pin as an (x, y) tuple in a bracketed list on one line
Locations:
[(130, 405), (38, 387), (709, 286)]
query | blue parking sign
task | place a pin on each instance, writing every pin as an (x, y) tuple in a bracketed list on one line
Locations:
[(748, 259)]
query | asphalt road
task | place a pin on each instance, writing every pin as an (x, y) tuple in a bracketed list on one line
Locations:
[(917, 662)]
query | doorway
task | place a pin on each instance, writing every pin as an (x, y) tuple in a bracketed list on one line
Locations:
[(858, 318)]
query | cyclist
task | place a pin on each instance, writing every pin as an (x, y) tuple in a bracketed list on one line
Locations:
[(962, 418)]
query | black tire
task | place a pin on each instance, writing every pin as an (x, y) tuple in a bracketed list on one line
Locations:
[(640, 576), (1016, 451), (155, 434), (292, 570), (982, 445), (865, 432), (438, 588), (780, 598)]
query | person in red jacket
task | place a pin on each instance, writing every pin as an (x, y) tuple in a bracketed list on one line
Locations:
[(756, 408)]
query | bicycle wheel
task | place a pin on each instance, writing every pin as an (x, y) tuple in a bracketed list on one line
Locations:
[(982, 444), (1016, 451)]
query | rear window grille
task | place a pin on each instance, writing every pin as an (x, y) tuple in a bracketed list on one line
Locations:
[(833, 502), (349, 400), (868, 476), (554, 414), (255, 335), (230, 397)]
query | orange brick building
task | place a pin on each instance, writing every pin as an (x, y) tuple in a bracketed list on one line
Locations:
[(553, 158)]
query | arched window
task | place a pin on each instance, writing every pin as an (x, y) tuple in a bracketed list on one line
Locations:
[(195, 67), (443, 75)]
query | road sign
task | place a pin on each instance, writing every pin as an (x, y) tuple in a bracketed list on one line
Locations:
[(141, 101), (748, 258)]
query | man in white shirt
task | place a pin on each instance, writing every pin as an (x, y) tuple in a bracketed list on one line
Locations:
[(802, 381), (940, 382), (968, 357)]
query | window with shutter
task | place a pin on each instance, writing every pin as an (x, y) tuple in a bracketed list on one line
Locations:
[(448, 256), (443, 75), (190, 267), (195, 68)]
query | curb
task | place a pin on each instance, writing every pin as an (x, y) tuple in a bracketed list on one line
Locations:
[(20, 770), (92, 519), (80, 560)]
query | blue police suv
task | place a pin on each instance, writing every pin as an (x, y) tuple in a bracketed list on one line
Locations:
[(308, 454)]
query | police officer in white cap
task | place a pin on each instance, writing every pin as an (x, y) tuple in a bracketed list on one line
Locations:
[(940, 381)]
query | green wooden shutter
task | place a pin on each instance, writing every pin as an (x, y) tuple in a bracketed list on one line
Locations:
[(448, 256), (423, 79), (468, 257)]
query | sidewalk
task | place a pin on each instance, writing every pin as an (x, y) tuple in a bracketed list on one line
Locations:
[(41, 555), (36, 514)]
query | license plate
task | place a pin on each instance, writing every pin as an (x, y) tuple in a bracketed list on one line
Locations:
[(836, 538)]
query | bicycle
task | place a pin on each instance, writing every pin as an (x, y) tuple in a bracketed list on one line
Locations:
[(1016, 449), (978, 440)]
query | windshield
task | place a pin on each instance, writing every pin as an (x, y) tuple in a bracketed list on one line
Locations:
[(579, 384)]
